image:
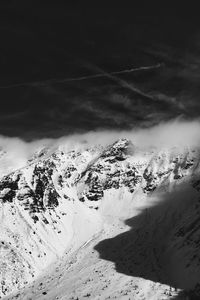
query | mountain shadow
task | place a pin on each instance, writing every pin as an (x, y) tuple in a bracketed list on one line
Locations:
[(162, 243)]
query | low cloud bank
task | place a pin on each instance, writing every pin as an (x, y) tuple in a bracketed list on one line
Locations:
[(171, 134)]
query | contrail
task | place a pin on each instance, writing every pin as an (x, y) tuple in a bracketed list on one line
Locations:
[(133, 88), (124, 83), (102, 74)]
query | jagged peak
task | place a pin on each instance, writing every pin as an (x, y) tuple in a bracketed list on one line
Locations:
[(122, 143), (119, 150)]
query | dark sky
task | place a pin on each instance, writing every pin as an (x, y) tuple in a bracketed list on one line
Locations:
[(45, 42)]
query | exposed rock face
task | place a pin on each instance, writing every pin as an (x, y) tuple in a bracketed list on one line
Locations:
[(112, 170), (37, 202)]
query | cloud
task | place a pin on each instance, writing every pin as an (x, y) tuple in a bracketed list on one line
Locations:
[(170, 134), (54, 112)]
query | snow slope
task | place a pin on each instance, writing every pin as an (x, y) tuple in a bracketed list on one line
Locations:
[(101, 223)]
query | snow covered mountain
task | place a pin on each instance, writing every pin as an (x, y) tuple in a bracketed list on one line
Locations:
[(140, 203)]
